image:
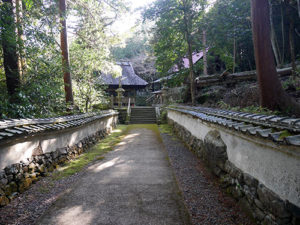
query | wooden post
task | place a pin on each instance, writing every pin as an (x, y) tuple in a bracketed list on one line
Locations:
[(65, 53)]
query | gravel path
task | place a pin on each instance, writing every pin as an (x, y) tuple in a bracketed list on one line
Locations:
[(31, 204), (203, 198)]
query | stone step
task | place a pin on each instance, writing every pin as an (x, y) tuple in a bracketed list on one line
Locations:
[(143, 119), (143, 115), (143, 110), (142, 122)]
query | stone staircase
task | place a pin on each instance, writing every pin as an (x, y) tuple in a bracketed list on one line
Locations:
[(143, 115)]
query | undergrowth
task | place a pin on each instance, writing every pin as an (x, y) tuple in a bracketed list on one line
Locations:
[(166, 128), (95, 153)]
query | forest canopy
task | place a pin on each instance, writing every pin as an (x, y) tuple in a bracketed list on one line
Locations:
[(48, 68), (227, 24), (40, 92)]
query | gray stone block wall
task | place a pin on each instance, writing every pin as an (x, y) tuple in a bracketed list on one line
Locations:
[(17, 177), (261, 203)]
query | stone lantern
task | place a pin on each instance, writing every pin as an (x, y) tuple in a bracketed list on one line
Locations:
[(120, 91)]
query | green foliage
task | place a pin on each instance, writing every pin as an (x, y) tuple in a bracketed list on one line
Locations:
[(163, 117), (175, 28), (42, 89), (177, 79), (28, 4), (166, 129), (138, 44), (292, 82), (228, 22), (90, 52)]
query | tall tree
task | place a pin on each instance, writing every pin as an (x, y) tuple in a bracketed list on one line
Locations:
[(298, 4), (291, 15), (65, 53), (204, 53), (174, 33), (41, 92), (273, 37), (90, 50), (20, 37), (272, 95), (229, 33), (9, 46), (186, 7)]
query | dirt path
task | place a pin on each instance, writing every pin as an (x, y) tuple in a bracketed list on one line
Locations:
[(133, 185)]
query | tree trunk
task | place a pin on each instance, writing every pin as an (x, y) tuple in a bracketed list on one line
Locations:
[(283, 33), (292, 43), (272, 95), (234, 54), (204, 53), (87, 105), (9, 46), (298, 3), (273, 38), (65, 53), (21, 38), (190, 56)]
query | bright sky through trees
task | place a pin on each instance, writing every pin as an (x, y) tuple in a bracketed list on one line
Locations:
[(128, 21), (140, 3)]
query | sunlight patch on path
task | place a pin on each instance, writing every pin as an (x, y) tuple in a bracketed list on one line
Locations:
[(134, 184)]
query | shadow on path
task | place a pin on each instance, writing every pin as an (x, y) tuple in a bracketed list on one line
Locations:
[(133, 185)]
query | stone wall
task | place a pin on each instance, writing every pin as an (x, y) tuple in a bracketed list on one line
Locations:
[(263, 177), (44, 152)]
